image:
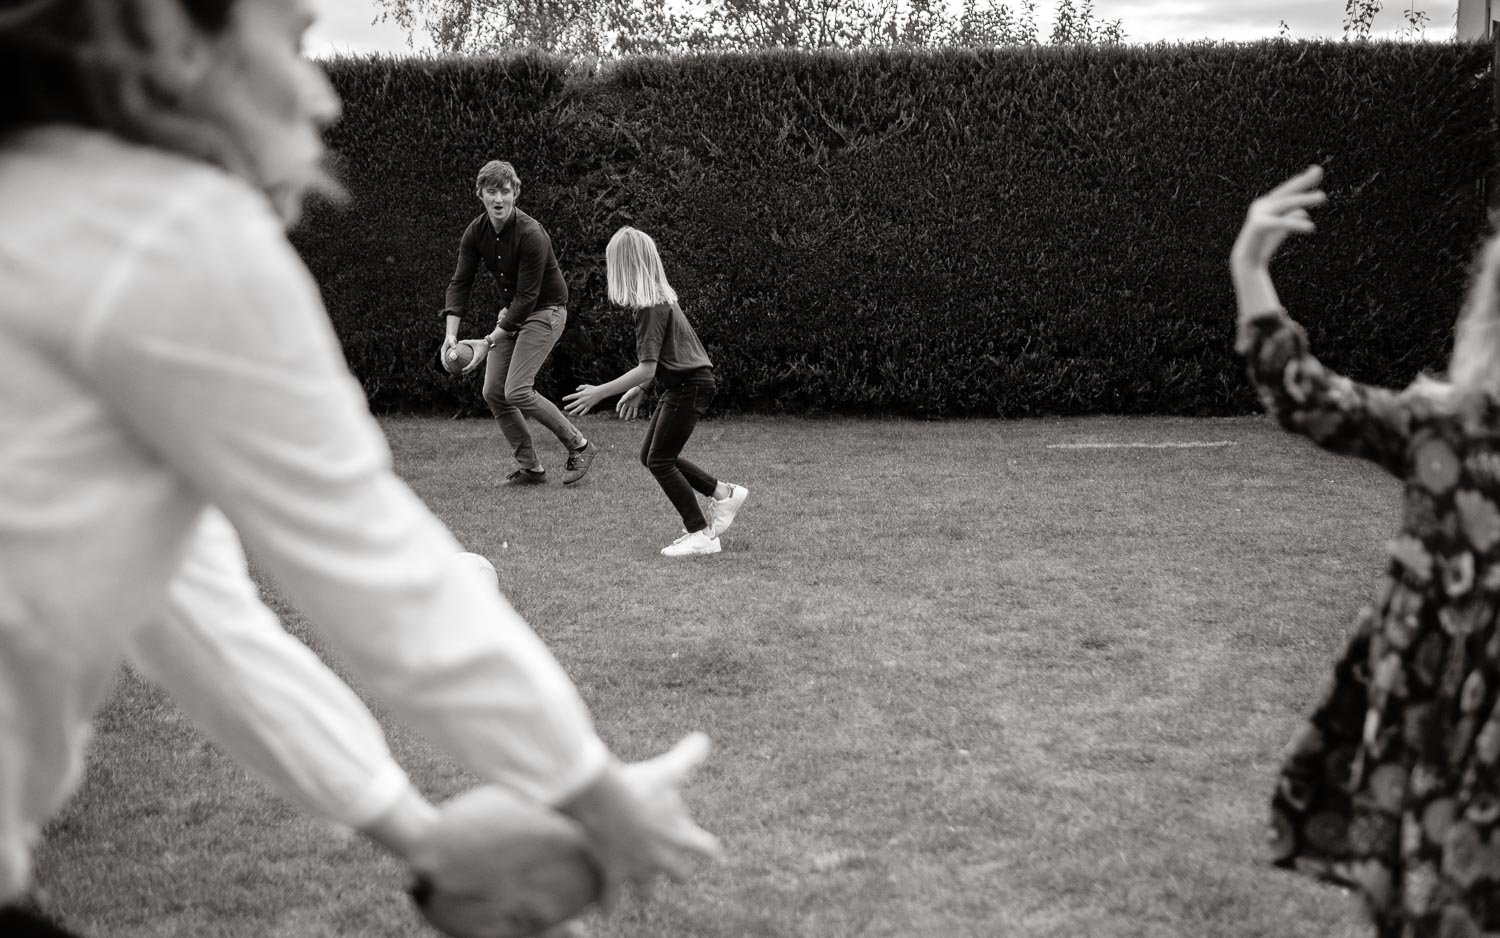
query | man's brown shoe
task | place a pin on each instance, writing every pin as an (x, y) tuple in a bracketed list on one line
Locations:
[(579, 461), (526, 477)]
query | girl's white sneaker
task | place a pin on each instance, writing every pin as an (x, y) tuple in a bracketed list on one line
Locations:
[(721, 512), (696, 542)]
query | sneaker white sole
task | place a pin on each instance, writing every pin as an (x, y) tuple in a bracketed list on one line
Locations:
[(713, 548)]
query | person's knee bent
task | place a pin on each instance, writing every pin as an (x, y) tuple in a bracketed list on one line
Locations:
[(520, 395), (660, 464), (494, 398)]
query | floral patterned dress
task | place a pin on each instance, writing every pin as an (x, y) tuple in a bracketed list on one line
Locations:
[(1392, 786)]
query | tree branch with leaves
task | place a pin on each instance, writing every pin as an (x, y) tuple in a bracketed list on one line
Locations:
[(1359, 19), (609, 28)]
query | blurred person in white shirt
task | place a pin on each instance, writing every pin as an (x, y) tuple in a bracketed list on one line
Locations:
[(170, 386)]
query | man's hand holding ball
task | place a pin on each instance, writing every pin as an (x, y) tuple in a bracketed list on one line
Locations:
[(462, 358), (494, 865)]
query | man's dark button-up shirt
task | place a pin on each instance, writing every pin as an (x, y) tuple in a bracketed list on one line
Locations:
[(520, 258)]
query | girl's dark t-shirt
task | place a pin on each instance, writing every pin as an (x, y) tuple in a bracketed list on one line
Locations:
[(663, 335)]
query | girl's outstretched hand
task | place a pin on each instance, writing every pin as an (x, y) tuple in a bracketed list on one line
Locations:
[(1273, 216), (630, 403), (582, 400)]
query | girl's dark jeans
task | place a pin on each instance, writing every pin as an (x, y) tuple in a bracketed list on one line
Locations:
[(677, 413)]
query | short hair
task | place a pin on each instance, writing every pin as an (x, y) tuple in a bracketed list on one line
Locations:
[(499, 174), (634, 272)]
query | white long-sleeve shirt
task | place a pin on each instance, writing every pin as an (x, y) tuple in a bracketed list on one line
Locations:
[(163, 349), (262, 694)]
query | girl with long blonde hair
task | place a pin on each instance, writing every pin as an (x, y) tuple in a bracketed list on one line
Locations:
[(670, 355)]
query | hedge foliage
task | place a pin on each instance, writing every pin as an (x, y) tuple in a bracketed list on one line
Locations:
[(1012, 232)]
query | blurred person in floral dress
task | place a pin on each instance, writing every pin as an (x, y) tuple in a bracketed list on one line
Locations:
[(1390, 787)]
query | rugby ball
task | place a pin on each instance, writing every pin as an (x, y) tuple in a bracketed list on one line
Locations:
[(496, 865), (458, 357)]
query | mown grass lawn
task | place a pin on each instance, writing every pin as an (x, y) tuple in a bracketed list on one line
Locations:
[(971, 678)]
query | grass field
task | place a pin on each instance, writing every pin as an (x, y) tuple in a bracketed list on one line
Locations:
[(964, 679)]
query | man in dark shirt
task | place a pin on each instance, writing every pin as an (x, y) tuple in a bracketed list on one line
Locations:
[(516, 250)]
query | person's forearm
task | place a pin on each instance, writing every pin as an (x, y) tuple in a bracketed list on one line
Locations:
[(443, 650), (461, 284), (345, 539), (530, 269), (1253, 288), (451, 325), (260, 693), (630, 379), (403, 828), (521, 305), (501, 329)]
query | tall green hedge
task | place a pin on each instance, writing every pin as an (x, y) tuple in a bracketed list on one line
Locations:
[(1000, 232)]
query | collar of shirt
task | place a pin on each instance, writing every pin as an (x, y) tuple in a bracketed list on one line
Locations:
[(509, 221)]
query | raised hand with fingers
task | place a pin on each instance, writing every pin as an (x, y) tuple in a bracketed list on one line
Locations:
[(1278, 213), (1273, 216), (638, 825)]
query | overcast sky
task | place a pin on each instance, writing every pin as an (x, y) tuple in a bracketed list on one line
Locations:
[(348, 26)]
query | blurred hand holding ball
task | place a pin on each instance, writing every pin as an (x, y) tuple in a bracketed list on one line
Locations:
[(497, 866)]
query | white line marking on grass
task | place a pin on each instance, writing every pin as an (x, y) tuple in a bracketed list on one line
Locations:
[(1185, 444)]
